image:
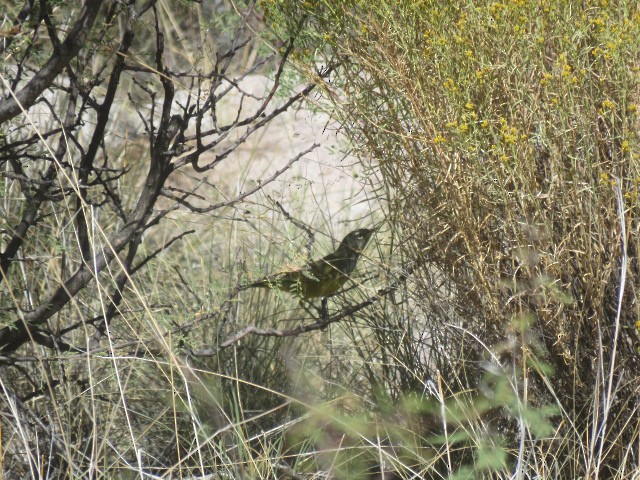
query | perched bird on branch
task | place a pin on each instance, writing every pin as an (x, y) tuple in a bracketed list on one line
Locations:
[(324, 277)]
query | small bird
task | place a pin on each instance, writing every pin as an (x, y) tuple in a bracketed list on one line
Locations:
[(324, 277)]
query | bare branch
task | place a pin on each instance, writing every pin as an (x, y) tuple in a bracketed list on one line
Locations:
[(319, 324), (251, 191), (25, 98)]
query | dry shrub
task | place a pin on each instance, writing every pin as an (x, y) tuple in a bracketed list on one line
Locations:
[(509, 134)]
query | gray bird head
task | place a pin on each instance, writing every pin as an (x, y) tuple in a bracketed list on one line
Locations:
[(357, 239)]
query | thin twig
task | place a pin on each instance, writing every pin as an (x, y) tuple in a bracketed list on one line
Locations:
[(317, 325)]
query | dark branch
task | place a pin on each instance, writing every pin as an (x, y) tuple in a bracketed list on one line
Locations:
[(317, 325), (76, 39)]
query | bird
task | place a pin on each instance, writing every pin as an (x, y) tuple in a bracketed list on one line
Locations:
[(324, 277)]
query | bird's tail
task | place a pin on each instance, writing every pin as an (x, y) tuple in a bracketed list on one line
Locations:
[(258, 284)]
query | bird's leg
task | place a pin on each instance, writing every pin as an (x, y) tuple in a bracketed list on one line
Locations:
[(324, 310)]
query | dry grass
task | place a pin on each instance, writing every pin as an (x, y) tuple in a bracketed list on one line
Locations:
[(122, 398), (505, 147)]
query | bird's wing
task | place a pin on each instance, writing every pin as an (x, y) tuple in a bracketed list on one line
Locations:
[(321, 269)]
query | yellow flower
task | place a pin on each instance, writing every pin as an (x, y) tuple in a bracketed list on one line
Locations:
[(450, 85), (496, 7), (469, 106), (545, 78), (509, 139)]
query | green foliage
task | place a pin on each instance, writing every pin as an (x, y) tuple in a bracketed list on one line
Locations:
[(421, 433)]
